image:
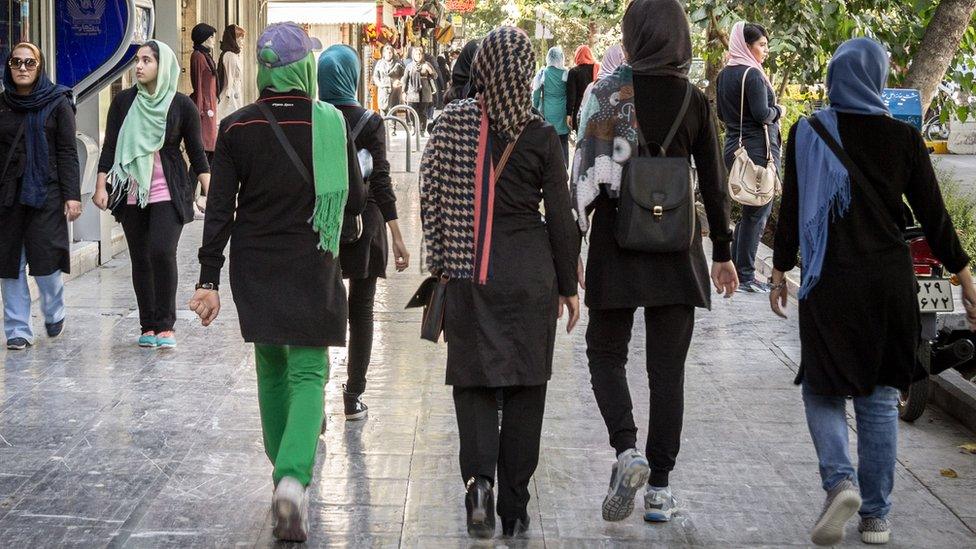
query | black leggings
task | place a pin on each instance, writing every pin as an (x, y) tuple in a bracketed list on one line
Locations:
[(153, 234), (362, 293), (515, 450), (422, 112), (669, 331)]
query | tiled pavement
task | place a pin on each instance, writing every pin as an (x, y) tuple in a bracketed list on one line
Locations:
[(102, 443)]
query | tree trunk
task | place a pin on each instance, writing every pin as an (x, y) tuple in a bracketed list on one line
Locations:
[(938, 47), (592, 33)]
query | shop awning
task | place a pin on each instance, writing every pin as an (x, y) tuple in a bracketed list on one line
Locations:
[(322, 13)]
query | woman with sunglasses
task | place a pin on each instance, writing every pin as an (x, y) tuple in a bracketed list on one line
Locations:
[(40, 192), (143, 178)]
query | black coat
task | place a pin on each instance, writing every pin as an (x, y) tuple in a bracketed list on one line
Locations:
[(859, 325), (182, 128), (580, 77), (760, 109), (617, 278), (43, 232), (367, 257), (287, 292)]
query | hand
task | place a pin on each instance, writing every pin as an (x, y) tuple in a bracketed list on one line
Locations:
[(725, 279), (569, 121), (401, 256), (968, 296), (581, 273), (206, 304), (72, 209), (778, 299), (100, 199), (572, 305), (202, 203)]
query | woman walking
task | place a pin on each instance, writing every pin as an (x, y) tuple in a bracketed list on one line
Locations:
[(549, 96), (848, 170), (419, 85), (39, 193), (508, 278), (747, 105), (363, 260), (647, 96), (203, 78), (580, 77), (143, 178), (461, 73), (611, 61), (230, 72)]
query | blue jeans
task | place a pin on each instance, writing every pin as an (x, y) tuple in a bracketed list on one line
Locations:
[(745, 239), (877, 439), (17, 301)]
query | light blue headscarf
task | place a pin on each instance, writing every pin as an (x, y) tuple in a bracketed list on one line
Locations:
[(338, 75), (856, 78)]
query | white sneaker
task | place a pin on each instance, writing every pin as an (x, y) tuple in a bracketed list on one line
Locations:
[(659, 505), (290, 510), (874, 531), (841, 504), (629, 473)]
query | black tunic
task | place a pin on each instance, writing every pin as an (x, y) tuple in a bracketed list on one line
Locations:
[(367, 257), (859, 326), (760, 109), (502, 333), (580, 77), (617, 278), (42, 232), (287, 292)]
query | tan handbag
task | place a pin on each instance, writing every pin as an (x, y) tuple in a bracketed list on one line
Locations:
[(749, 184)]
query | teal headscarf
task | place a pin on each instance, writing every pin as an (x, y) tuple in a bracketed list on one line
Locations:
[(339, 70)]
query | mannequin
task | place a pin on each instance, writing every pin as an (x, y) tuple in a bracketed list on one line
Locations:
[(230, 84), (203, 77)]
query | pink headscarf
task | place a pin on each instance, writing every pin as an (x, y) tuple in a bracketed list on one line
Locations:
[(740, 54)]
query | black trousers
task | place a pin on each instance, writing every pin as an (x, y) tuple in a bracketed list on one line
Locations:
[(422, 113), (153, 234), (362, 293), (515, 449), (669, 331)]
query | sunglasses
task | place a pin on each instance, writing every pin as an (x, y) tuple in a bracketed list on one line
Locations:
[(18, 63)]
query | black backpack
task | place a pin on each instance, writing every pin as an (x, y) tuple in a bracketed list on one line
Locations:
[(352, 225), (656, 210)]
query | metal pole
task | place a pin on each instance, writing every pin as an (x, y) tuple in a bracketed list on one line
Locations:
[(406, 136)]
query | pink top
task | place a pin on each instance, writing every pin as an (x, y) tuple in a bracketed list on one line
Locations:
[(158, 190)]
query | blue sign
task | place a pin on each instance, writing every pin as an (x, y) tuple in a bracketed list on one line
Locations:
[(905, 105)]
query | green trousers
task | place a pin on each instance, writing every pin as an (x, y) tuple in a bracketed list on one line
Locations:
[(291, 383)]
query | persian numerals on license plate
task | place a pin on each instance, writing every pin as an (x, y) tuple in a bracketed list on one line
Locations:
[(935, 296)]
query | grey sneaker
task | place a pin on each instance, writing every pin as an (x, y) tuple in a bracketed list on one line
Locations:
[(659, 505), (875, 531), (290, 511), (629, 473), (842, 503)]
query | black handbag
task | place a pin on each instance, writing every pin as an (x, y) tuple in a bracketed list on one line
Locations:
[(656, 209), (432, 296)]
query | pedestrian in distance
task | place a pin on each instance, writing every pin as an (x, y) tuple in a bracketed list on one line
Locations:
[(549, 95), (494, 160), (650, 96), (461, 74), (747, 106), (580, 77), (230, 72), (363, 257), (203, 78), (611, 61), (849, 169), (143, 179), (419, 86), (285, 175), (385, 72), (40, 191)]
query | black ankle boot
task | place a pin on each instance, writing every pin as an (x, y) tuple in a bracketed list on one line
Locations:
[(480, 503), (354, 407), (514, 527)]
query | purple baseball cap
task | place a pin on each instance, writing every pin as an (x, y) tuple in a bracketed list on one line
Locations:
[(285, 43)]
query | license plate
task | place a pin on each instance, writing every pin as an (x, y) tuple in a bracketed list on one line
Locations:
[(935, 296)]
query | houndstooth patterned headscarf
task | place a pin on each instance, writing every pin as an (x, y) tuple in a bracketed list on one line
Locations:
[(456, 173)]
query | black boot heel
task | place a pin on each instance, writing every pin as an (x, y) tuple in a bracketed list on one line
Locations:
[(515, 527), (480, 504)]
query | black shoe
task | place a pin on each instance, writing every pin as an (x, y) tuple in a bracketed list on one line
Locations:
[(54, 330), (17, 344), (480, 504), (354, 407), (516, 526)]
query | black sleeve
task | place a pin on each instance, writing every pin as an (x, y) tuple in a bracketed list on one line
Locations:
[(69, 177), (356, 201), (221, 204), (572, 101), (112, 126), (564, 233), (711, 184), (192, 138), (757, 99), (787, 240), (380, 184), (925, 198)]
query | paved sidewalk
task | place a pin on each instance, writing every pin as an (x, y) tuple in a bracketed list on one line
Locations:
[(102, 443)]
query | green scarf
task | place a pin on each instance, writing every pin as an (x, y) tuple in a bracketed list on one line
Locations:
[(144, 131), (330, 162)]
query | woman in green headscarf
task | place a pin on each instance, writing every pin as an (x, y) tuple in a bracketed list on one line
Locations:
[(143, 179)]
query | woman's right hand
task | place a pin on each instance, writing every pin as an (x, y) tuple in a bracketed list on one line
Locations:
[(100, 199), (572, 305)]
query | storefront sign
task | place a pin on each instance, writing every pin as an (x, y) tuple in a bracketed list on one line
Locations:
[(461, 6)]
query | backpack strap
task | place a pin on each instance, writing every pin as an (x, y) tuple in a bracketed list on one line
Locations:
[(10, 157), (285, 144), (674, 127), (360, 126)]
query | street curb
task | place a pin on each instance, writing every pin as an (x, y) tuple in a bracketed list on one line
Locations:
[(949, 391)]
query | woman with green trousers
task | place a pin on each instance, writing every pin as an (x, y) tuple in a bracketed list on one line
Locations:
[(284, 174), (549, 96)]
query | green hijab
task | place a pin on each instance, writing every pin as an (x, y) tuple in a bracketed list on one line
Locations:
[(330, 159), (144, 130)]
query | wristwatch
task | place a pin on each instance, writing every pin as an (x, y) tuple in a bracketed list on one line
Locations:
[(207, 286)]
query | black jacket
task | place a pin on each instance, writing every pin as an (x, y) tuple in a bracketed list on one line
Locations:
[(760, 109), (182, 127), (580, 77)]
